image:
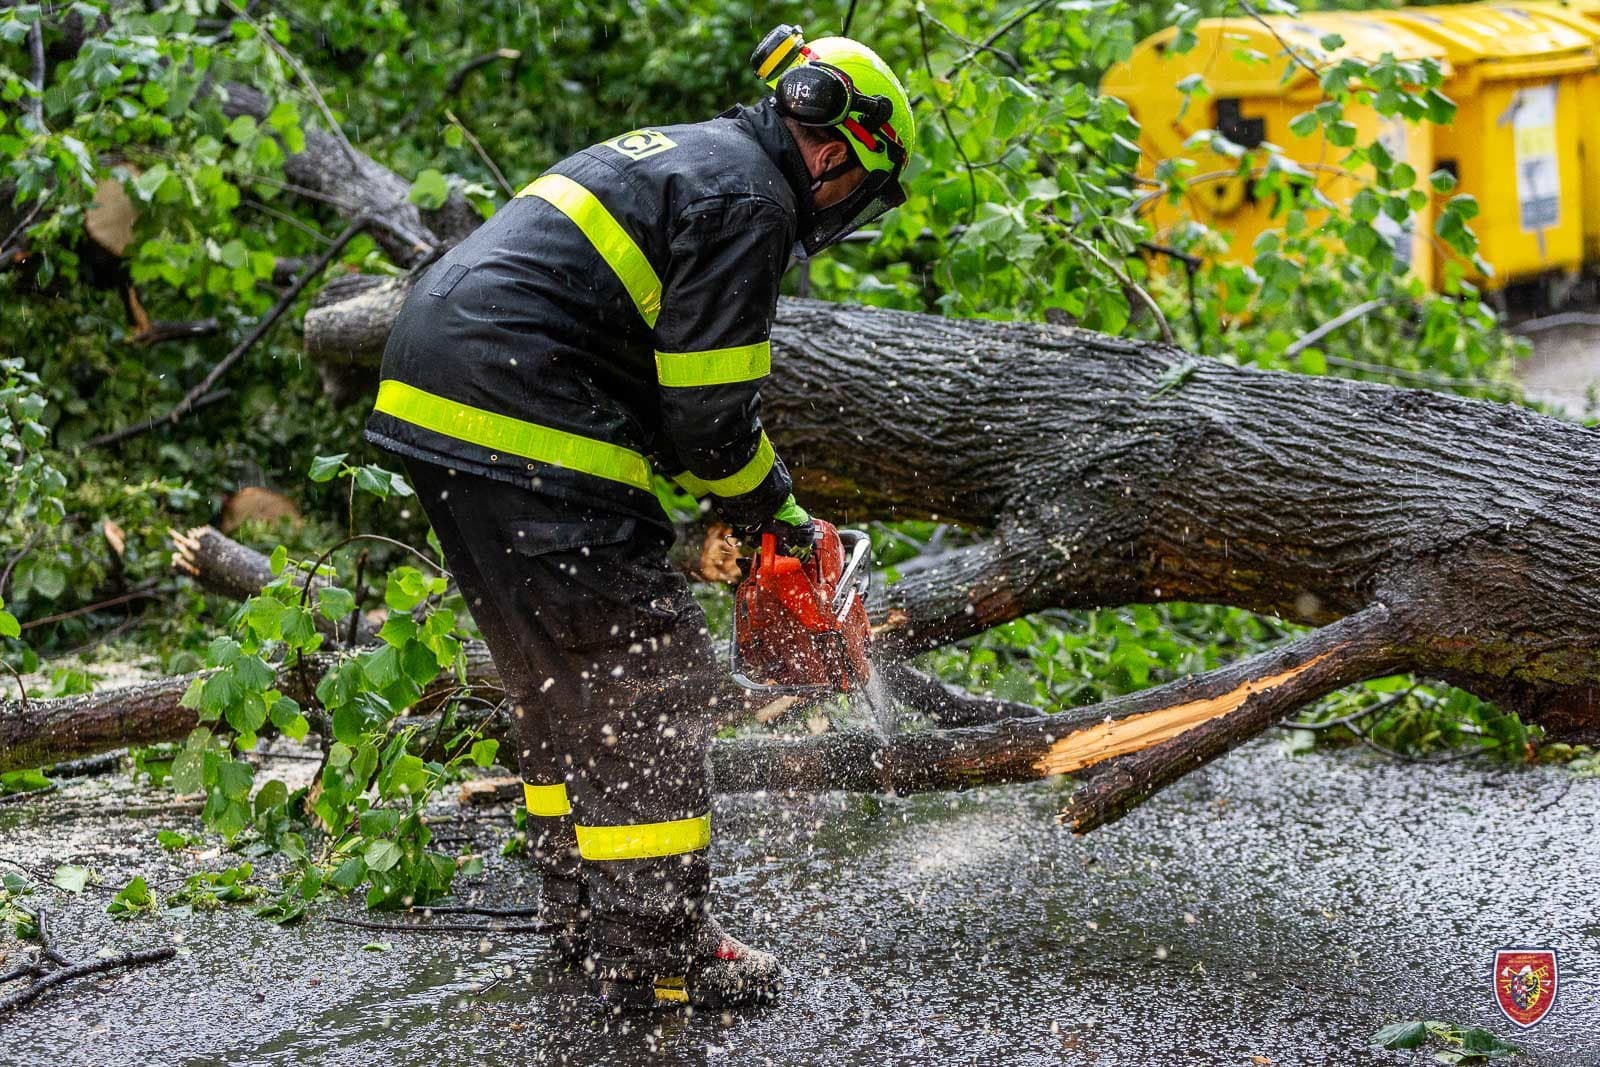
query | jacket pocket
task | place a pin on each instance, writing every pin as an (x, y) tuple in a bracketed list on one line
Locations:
[(533, 537)]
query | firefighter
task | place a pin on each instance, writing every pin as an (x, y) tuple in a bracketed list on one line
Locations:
[(612, 321)]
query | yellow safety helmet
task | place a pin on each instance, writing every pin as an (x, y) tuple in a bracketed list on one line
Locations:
[(843, 85)]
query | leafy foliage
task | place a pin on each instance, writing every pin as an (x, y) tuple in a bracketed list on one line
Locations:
[(1456, 1044), (1028, 200)]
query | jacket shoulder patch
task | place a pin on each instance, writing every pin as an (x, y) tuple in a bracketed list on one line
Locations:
[(641, 144)]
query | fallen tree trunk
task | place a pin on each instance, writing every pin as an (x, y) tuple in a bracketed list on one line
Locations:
[(1454, 538), (1422, 532), (1300, 496)]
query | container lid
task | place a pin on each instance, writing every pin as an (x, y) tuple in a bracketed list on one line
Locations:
[(1240, 57), (1481, 33)]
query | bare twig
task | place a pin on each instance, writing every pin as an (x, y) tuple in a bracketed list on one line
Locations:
[(978, 49), (150, 592), (286, 301), (462, 909), (1344, 318), (316, 568), (27, 546), (1418, 376), (1124, 280), (1005, 57), (458, 79), (1289, 49), (139, 958), (7, 249), (944, 116), (499, 178), (451, 928), (22, 689), (284, 216)]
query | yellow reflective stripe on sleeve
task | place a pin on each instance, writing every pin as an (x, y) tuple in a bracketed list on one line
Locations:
[(714, 366), (740, 481), (644, 840), (549, 800), (608, 237), (502, 433)]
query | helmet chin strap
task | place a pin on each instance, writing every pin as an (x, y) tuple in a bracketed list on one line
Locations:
[(838, 170)]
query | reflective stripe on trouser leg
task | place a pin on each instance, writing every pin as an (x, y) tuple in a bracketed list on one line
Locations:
[(642, 841), (546, 800)]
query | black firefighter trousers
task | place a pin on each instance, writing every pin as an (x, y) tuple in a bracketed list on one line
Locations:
[(609, 672)]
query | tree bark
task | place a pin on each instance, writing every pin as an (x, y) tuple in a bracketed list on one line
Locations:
[(1306, 497)]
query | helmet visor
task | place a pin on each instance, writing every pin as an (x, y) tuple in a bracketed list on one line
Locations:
[(878, 192)]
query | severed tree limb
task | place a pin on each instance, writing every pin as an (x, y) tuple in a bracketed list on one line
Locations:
[(43, 984), (262, 326), (1189, 722)]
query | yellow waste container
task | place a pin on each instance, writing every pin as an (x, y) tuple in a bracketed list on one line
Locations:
[(1584, 16), (1516, 80), (1251, 99)]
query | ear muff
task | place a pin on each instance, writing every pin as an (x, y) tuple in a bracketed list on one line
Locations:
[(819, 94), (814, 95)]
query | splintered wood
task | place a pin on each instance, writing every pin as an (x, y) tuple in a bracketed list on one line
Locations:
[(1105, 740)]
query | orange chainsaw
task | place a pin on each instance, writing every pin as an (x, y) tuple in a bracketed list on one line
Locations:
[(800, 626)]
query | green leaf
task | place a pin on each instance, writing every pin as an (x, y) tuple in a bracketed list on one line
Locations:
[(49, 581), (407, 776), (382, 855), (1401, 1035), (483, 752), (146, 185), (1312, 361), (171, 840), (235, 777), (381, 483), (335, 604), (324, 468), (241, 129), (383, 667), (404, 589), (377, 946), (430, 190), (288, 719), (397, 630), (247, 714), (188, 769), (278, 560), (272, 795), (379, 822), (71, 878), (9, 627), (349, 873), (131, 899)]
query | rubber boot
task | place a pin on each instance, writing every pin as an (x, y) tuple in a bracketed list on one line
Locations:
[(563, 902), (723, 972)]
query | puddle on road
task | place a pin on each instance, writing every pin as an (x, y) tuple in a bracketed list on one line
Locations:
[(1264, 907)]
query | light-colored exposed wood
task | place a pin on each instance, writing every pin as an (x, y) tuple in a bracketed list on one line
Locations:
[(1100, 742)]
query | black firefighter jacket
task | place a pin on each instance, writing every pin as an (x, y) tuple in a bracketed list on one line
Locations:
[(612, 318)]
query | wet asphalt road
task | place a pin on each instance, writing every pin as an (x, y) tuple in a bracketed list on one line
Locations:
[(1267, 909)]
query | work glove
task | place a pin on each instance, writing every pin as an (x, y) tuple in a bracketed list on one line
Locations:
[(791, 527)]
